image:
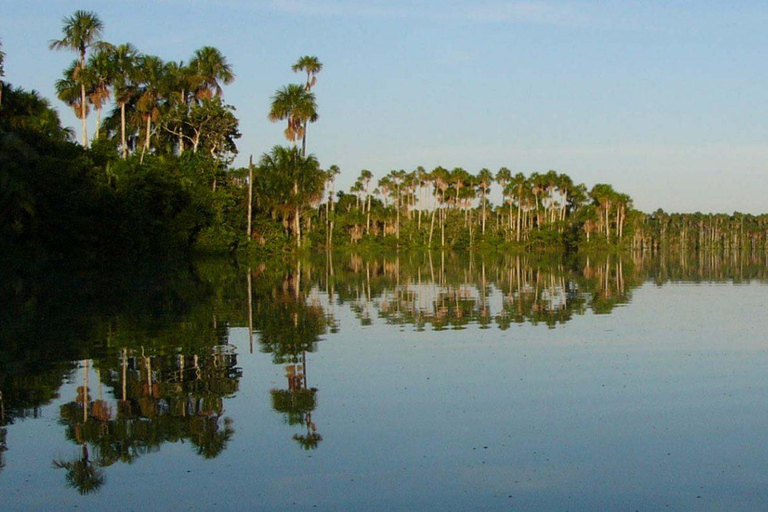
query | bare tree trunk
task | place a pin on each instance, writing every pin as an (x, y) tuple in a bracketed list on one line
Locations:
[(82, 112), (297, 228), (122, 130), (432, 227), (483, 210), (98, 123), (250, 196), (368, 217)]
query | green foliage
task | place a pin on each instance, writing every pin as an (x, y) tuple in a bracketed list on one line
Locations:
[(59, 200)]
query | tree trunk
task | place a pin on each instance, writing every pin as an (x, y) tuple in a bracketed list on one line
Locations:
[(483, 210), (122, 130), (368, 217), (82, 113), (432, 227), (297, 227), (442, 227), (98, 123)]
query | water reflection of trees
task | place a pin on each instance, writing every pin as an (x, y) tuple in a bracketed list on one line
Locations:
[(289, 327), (155, 361), (452, 290), (157, 400)]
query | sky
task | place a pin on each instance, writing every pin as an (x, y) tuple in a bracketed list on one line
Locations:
[(664, 100)]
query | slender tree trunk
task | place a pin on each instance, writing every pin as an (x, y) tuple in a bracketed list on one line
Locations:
[(519, 206), (397, 211), (442, 227), (86, 367), (98, 123), (432, 227), (125, 374), (483, 211), (82, 113), (145, 148), (250, 197), (368, 217), (122, 130), (149, 131), (297, 227)]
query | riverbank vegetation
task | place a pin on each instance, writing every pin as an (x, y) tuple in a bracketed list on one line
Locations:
[(157, 177)]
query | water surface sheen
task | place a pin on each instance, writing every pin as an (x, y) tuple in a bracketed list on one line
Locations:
[(411, 382)]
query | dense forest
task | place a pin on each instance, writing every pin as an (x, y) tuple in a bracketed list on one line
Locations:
[(157, 177)]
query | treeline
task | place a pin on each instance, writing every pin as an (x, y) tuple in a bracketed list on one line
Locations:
[(684, 232), (443, 208), (157, 177)]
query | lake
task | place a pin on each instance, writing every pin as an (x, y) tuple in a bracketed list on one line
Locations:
[(397, 382)]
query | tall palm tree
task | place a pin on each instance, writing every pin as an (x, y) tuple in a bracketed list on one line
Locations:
[(180, 81), (68, 89), (517, 183), (211, 69), (296, 105), (124, 73), (311, 66), (484, 180), (98, 73), (151, 70), (291, 182), (81, 31)]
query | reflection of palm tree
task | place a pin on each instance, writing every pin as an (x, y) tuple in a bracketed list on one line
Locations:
[(297, 403), (312, 439), (208, 439), (82, 473)]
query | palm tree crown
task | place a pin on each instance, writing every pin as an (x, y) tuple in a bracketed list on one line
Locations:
[(312, 66), (81, 31), (296, 105), (210, 67)]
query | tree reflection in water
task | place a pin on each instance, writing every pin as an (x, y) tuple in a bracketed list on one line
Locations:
[(161, 399), (289, 327), (156, 363)]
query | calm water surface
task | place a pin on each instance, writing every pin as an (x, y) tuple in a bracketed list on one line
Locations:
[(450, 382)]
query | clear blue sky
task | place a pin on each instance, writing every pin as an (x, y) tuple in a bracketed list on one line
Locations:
[(665, 100)]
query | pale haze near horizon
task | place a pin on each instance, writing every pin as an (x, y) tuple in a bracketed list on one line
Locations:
[(666, 101)]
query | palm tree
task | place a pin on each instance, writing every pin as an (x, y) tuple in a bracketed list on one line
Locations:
[(124, 62), (296, 105), (311, 66), (98, 72), (81, 31), (517, 183), (150, 70), (68, 90), (179, 81), (291, 182), (330, 177), (484, 180), (210, 67)]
